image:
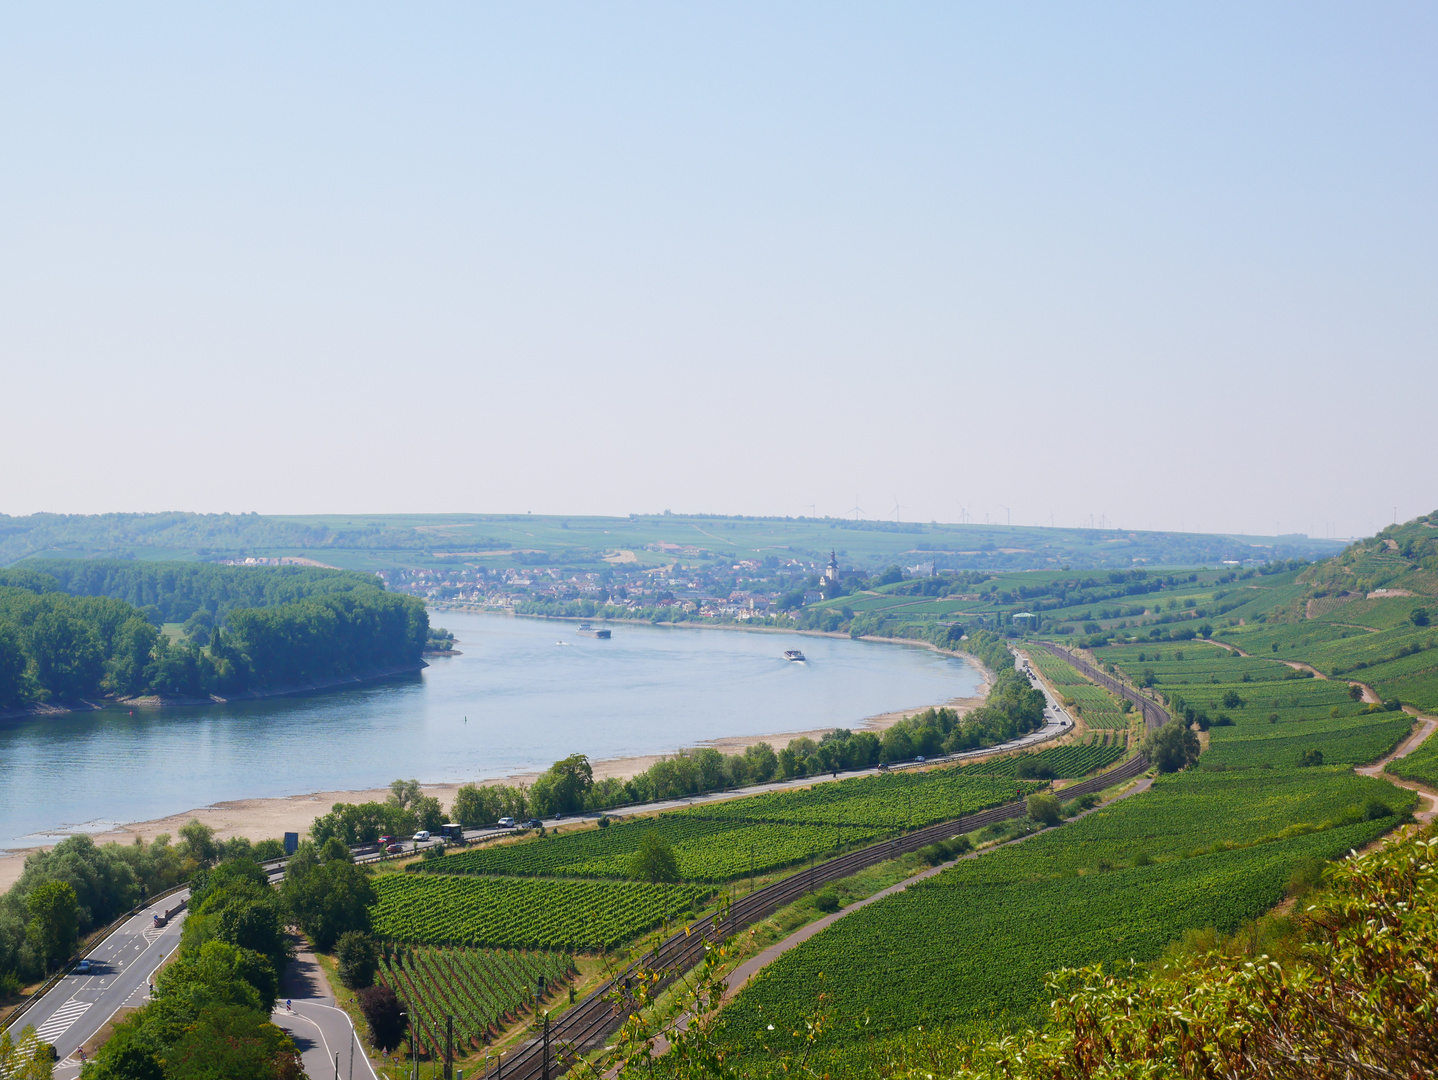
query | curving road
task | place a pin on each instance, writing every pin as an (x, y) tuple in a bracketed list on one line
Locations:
[(76, 1008), (322, 1031)]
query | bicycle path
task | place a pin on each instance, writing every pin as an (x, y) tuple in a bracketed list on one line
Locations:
[(320, 1029)]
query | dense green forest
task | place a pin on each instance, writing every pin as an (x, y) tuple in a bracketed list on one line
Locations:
[(175, 591), (55, 647)]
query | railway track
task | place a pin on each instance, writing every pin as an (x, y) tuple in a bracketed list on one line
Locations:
[(1154, 715), (587, 1024)]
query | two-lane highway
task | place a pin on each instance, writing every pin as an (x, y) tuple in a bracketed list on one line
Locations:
[(121, 968)]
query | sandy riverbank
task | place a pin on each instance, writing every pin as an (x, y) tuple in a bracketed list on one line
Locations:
[(262, 818)]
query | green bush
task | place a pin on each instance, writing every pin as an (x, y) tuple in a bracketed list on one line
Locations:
[(1044, 808), (358, 957)]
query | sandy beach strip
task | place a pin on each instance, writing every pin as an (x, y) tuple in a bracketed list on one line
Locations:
[(260, 819)]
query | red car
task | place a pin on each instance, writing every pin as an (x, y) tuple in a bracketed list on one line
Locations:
[(395, 849)]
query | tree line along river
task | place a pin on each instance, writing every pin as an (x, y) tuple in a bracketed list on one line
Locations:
[(522, 694)]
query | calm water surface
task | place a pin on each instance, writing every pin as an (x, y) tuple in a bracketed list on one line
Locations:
[(515, 700)]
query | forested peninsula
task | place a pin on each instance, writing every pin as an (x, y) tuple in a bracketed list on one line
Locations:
[(82, 630)]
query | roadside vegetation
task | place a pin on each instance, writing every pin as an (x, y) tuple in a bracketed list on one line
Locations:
[(78, 886)]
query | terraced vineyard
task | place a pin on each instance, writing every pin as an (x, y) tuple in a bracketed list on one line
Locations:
[(973, 943), (709, 851), (523, 913), (1264, 712), (482, 989)]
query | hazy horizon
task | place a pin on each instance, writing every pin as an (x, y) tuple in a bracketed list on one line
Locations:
[(1172, 267)]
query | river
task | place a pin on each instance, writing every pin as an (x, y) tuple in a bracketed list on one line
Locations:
[(515, 700)]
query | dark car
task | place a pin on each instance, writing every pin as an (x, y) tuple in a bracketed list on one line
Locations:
[(534, 823), (395, 849)]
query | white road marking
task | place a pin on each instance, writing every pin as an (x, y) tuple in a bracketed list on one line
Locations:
[(64, 1017)]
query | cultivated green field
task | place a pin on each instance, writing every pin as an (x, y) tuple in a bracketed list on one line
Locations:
[(974, 943), (481, 989), (891, 802), (707, 851), (1273, 712), (1421, 765), (524, 913)]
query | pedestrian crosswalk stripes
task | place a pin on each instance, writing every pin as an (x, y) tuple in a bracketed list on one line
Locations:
[(60, 1022)]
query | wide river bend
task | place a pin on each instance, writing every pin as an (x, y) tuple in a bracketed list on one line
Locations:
[(516, 700)]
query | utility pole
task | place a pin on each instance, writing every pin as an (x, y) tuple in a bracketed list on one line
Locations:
[(449, 1048)]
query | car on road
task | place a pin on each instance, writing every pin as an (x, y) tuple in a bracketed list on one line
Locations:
[(534, 823), (394, 849), (921, 759), (505, 823), (421, 837), (386, 841), (84, 967)]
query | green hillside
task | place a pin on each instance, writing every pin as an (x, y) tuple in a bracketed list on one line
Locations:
[(377, 541)]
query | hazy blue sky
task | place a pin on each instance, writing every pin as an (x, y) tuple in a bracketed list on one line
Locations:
[(1173, 264)]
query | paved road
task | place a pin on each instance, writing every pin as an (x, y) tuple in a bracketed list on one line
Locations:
[(75, 1010), (307, 1011)]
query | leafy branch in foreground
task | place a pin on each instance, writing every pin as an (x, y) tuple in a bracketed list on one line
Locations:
[(1358, 1002)]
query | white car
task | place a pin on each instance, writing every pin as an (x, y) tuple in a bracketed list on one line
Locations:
[(505, 823), (420, 837)]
